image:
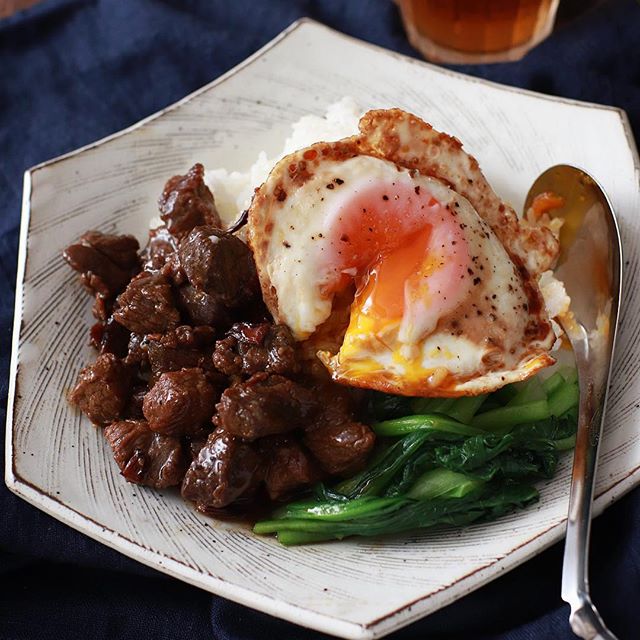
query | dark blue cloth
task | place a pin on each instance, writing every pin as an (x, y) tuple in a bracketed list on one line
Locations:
[(72, 71)]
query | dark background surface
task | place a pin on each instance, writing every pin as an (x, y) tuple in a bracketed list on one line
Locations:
[(72, 71)]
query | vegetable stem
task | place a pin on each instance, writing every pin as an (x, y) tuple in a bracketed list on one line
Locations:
[(429, 423), (503, 419), (564, 398), (465, 408), (443, 483)]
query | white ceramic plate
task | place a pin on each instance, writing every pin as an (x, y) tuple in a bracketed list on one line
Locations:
[(355, 589)]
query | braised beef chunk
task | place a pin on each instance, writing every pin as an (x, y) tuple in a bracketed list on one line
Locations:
[(219, 264), (105, 262), (121, 250), (186, 202), (180, 402), (184, 347), (194, 383), (110, 337), (146, 305), (340, 448), (337, 440), (160, 248), (288, 467), (264, 405), (248, 349), (145, 457), (224, 469), (202, 308), (102, 389)]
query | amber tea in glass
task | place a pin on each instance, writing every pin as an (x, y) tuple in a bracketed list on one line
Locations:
[(477, 31)]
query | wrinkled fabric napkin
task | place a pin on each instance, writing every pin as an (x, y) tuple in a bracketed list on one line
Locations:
[(73, 71)]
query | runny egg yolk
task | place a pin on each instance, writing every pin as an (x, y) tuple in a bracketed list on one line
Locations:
[(378, 293), (407, 254)]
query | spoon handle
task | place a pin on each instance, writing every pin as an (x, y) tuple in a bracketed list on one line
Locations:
[(585, 620)]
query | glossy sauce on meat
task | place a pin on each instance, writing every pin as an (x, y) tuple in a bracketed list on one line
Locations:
[(193, 383)]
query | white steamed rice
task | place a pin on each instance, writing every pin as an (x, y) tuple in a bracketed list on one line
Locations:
[(233, 190)]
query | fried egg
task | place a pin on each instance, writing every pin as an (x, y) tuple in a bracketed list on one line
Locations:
[(389, 256)]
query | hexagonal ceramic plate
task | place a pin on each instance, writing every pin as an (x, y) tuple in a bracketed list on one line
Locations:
[(356, 589)]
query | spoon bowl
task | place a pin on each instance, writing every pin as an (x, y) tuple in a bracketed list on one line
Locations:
[(589, 265)]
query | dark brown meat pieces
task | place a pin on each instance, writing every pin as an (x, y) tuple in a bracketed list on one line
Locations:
[(186, 202), (145, 457), (159, 250), (179, 403), (183, 348), (248, 349), (335, 438), (219, 264), (288, 467), (264, 405), (225, 469), (102, 390), (146, 306), (106, 264), (202, 308), (110, 337)]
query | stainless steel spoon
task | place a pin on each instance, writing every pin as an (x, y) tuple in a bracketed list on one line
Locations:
[(590, 267)]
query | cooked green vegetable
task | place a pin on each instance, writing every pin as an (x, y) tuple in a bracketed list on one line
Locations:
[(432, 424), (443, 483), (453, 461), (392, 515), (503, 419), (466, 408)]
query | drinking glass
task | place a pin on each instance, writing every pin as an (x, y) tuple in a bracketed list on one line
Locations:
[(477, 31)]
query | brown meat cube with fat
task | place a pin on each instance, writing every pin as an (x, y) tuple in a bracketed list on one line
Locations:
[(145, 457), (180, 402), (288, 467), (264, 405), (186, 202), (224, 470), (219, 264), (249, 349), (102, 390), (147, 306)]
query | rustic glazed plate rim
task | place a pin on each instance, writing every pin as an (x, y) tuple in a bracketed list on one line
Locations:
[(172, 566)]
